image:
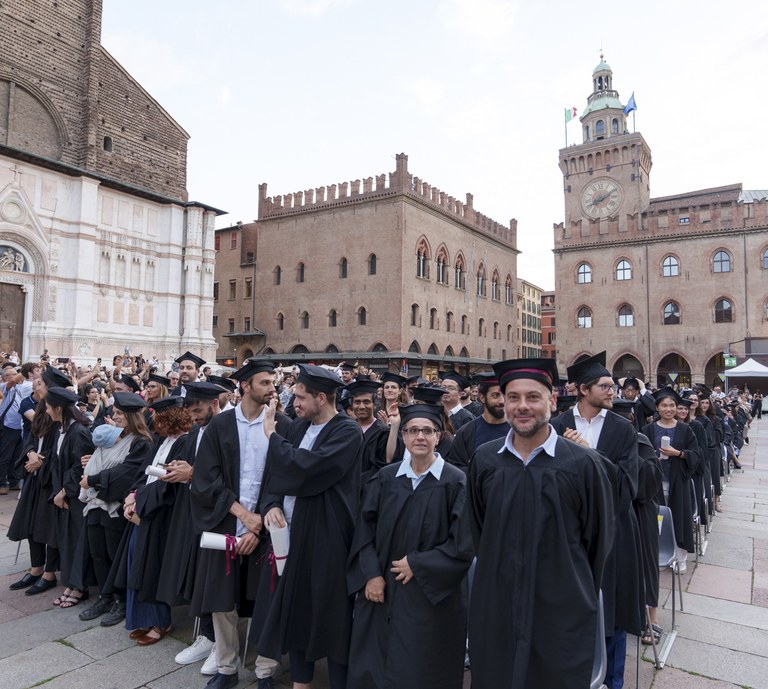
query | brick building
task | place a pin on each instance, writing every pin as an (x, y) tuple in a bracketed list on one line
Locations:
[(388, 270), (548, 325), (666, 285), (99, 246), (528, 320)]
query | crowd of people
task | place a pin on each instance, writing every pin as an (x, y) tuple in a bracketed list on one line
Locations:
[(400, 528)]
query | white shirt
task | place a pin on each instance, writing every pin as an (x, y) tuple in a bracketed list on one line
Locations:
[(457, 408), (589, 429), (253, 458), (307, 443), (406, 469), (548, 446), (162, 454)]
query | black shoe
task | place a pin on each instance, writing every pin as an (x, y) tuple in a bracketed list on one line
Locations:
[(41, 586), (116, 614), (103, 604), (219, 681), (266, 683), (25, 582), (17, 486)]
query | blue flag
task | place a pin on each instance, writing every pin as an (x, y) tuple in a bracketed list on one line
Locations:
[(631, 105)]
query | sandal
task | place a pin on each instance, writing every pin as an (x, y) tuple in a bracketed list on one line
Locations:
[(67, 593), (72, 600)]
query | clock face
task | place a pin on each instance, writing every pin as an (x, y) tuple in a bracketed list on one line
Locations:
[(602, 198)]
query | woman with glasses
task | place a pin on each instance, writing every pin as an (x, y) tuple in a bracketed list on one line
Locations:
[(410, 554)]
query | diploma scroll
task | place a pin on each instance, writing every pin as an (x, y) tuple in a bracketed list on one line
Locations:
[(158, 472), (281, 539), (214, 541)]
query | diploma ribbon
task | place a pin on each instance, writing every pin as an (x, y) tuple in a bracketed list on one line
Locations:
[(230, 551)]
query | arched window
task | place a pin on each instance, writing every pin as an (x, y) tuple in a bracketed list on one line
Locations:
[(723, 311), (670, 267), (332, 318), (626, 316), (600, 128), (278, 274), (460, 273), (414, 347), (304, 320), (332, 349), (495, 288), (764, 261), (671, 313), (623, 270), (584, 273), (509, 292), (432, 349), (362, 316), (433, 319), (343, 268), (464, 325), (586, 133), (372, 264), (449, 324), (509, 333), (442, 266), (721, 262), (496, 331), (300, 273), (481, 280), (481, 327), (422, 260), (415, 320), (280, 321), (614, 126), (584, 317)]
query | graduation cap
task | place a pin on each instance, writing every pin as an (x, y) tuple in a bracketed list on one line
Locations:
[(157, 378), (705, 389), (647, 404), (128, 401), (167, 403), (421, 411), (388, 377), (130, 381), (665, 393), (251, 367), (588, 369), (416, 380), (201, 390), (188, 356), (362, 386), (542, 370), (631, 383), (319, 378), (53, 378), (485, 380), (61, 397), (429, 394), (457, 378), (566, 402), (221, 381), (624, 406), (344, 366), (345, 403)]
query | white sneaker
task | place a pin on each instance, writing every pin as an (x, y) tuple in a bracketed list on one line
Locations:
[(681, 567), (209, 666), (199, 650)]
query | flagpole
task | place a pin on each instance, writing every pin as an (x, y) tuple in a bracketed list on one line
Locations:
[(565, 126), (633, 120)]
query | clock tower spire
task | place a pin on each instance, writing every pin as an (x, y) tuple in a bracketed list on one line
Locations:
[(606, 176)]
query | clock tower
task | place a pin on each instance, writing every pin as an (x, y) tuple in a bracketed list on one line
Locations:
[(605, 178)]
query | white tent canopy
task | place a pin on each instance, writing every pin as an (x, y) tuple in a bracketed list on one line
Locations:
[(749, 369)]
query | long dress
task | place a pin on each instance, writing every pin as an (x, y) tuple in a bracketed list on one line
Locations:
[(428, 525), (646, 505)]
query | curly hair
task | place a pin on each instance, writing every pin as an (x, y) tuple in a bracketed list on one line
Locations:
[(174, 421)]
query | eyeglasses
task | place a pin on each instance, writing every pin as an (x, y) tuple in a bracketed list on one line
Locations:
[(413, 432), (451, 388), (605, 386)]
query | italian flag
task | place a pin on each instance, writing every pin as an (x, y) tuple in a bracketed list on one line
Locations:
[(570, 114)]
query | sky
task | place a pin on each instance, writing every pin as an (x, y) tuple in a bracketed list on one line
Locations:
[(305, 93)]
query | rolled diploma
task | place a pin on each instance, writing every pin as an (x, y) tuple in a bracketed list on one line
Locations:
[(158, 472), (281, 539), (665, 439), (214, 541)]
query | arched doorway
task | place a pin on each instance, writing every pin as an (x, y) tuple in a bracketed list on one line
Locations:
[(628, 366), (714, 371), (672, 370)]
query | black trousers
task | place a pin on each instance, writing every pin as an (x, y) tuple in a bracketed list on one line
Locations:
[(103, 540), (10, 447), (41, 555)]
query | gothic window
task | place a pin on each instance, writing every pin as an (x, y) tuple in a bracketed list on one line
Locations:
[(584, 273), (723, 311), (278, 274), (496, 331), (764, 261), (449, 325), (422, 260), (305, 320), (584, 317), (626, 316), (332, 318), (481, 286), (414, 314), (671, 313), (372, 264), (495, 290), (509, 292), (623, 270), (300, 273), (362, 316), (433, 319), (670, 267), (721, 262), (464, 325), (460, 272), (280, 321), (481, 327), (343, 268)]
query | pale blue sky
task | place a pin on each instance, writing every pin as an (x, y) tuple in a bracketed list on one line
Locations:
[(302, 93)]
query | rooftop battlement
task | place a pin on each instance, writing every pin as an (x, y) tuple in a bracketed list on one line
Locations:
[(399, 182)]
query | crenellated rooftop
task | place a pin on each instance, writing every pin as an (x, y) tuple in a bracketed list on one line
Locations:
[(399, 182)]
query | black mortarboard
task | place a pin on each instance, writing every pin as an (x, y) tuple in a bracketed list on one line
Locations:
[(344, 366), (251, 367), (362, 386), (345, 402), (130, 381), (486, 379), (129, 401), (457, 378), (416, 380), (388, 377), (226, 383), (566, 402), (542, 370), (589, 369), (157, 378), (631, 382), (188, 356), (53, 378), (705, 389), (201, 390), (61, 397), (429, 394), (168, 403), (626, 406), (421, 411), (319, 378), (667, 392), (647, 404)]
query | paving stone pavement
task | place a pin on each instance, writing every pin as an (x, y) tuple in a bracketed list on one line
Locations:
[(722, 640)]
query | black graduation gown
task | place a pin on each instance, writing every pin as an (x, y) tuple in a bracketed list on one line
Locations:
[(428, 526), (154, 503), (680, 471), (66, 472), (461, 417), (542, 533), (702, 475), (35, 514), (311, 610), (646, 505), (374, 455), (623, 599)]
